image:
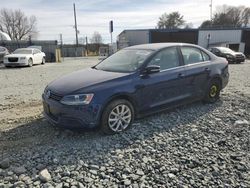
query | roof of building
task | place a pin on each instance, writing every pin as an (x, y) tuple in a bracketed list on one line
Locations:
[(187, 30), (157, 46)]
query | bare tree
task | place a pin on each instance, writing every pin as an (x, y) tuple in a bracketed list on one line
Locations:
[(17, 25), (246, 16), (96, 38), (206, 24), (170, 21), (229, 16), (189, 25)]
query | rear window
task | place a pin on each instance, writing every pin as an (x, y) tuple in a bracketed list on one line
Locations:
[(191, 55)]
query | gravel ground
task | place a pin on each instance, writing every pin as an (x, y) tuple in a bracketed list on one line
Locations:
[(195, 145)]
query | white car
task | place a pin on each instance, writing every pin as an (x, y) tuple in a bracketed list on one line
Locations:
[(24, 57), (3, 52)]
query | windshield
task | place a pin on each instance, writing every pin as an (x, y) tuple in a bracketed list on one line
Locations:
[(22, 51), (226, 50), (124, 61), (2, 49)]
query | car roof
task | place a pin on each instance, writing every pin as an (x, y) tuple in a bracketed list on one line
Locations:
[(158, 46), (25, 48), (221, 47)]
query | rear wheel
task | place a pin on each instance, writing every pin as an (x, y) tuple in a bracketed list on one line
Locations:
[(43, 61), (213, 91), (117, 116), (30, 62)]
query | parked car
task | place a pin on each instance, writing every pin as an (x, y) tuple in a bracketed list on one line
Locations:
[(135, 82), (24, 57), (3, 52), (230, 55)]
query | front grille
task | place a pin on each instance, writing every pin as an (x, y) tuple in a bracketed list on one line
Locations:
[(52, 95), (13, 59), (239, 56), (55, 96)]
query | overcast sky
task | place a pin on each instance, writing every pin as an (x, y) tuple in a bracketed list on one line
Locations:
[(56, 16)]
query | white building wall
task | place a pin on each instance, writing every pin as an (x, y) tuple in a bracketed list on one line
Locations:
[(138, 37), (220, 36), (133, 37)]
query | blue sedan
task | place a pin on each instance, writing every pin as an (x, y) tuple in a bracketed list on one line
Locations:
[(135, 82)]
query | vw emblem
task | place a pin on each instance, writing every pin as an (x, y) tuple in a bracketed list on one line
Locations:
[(48, 94)]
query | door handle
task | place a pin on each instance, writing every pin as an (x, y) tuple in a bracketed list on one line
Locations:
[(181, 75), (207, 69)]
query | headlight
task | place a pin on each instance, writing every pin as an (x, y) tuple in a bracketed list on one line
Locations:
[(229, 56), (77, 99), (22, 58)]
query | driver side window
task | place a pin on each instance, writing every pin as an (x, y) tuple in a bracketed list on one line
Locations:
[(36, 51), (166, 59)]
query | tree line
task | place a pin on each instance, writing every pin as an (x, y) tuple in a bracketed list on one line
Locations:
[(225, 16)]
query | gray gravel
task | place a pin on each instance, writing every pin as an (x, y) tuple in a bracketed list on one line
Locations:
[(195, 145)]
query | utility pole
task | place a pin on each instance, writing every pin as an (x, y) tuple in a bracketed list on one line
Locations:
[(75, 24), (61, 40), (211, 10), (61, 43), (111, 29), (86, 38)]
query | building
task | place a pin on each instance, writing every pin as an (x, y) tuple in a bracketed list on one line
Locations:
[(237, 39)]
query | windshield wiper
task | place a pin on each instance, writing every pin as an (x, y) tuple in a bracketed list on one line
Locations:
[(94, 67)]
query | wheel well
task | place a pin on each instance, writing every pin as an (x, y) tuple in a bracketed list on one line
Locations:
[(122, 96), (217, 78), (125, 97)]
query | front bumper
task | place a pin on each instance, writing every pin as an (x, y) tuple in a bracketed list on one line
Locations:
[(236, 59), (16, 64), (80, 116)]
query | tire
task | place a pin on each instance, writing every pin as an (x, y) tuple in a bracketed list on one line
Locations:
[(213, 91), (30, 62), (43, 61), (117, 117)]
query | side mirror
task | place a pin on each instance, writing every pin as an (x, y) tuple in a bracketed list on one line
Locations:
[(152, 69)]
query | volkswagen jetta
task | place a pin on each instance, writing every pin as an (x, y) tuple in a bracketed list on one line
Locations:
[(135, 82)]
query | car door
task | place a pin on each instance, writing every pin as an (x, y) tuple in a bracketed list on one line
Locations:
[(197, 69), (165, 87), (37, 56)]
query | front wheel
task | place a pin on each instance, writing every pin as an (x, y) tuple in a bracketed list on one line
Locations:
[(30, 62), (213, 91), (117, 116)]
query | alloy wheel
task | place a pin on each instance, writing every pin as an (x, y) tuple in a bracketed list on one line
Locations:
[(119, 118)]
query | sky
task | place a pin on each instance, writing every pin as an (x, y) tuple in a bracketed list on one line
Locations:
[(55, 17)]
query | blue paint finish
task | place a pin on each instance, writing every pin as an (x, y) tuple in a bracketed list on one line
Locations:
[(148, 93)]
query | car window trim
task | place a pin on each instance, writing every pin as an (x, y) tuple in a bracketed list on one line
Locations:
[(181, 66), (199, 63)]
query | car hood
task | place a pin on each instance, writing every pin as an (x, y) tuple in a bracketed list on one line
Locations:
[(18, 55), (238, 53), (81, 79)]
